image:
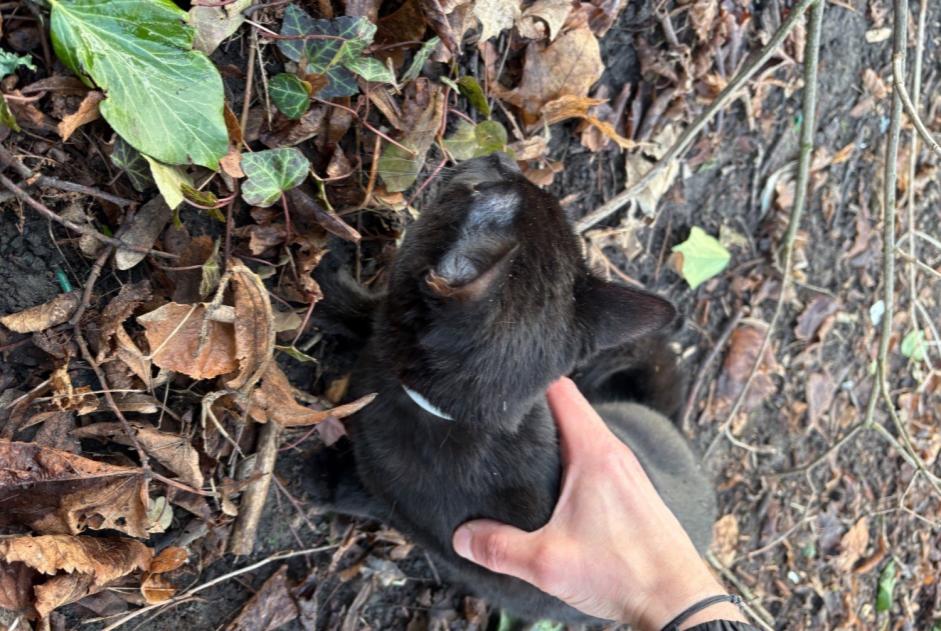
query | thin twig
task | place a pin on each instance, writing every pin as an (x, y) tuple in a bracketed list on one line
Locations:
[(219, 579), (689, 134), (758, 613), (808, 127), (46, 212), (898, 78), (7, 159), (704, 367)]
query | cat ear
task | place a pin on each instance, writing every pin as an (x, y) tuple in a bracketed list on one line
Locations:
[(458, 288), (617, 313)]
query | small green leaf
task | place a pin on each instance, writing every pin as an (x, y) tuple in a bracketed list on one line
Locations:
[(913, 345), (290, 95), (9, 62), (169, 180), (471, 90), (371, 70), (418, 61), (215, 24), (198, 197), (886, 591), (6, 116), (164, 98), (463, 142), (348, 38), (270, 173), (506, 621), (491, 136), (702, 257), (547, 625), (130, 160), (398, 168), (297, 354)]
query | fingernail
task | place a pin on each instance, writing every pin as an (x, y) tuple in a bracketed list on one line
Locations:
[(462, 542)]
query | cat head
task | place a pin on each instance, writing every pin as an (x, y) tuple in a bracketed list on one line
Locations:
[(490, 298)]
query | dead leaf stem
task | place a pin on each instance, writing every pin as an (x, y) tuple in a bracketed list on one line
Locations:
[(689, 134), (808, 127), (252, 505)]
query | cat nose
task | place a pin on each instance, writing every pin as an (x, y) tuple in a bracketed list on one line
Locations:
[(497, 167)]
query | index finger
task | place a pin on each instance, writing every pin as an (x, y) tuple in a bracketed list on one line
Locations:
[(581, 429)]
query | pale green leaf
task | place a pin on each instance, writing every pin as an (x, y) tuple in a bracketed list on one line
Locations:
[(164, 98), (462, 144), (913, 345), (130, 160), (371, 70), (296, 353), (418, 61), (169, 180), (9, 62), (547, 625), (886, 593), (290, 95), (159, 515), (702, 257), (348, 38), (399, 168), (270, 173)]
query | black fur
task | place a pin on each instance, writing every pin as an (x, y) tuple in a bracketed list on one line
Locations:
[(488, 302)]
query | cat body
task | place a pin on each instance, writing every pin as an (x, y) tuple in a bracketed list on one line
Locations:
[(489, 300)]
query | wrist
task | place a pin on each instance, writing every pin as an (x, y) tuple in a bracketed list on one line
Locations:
[(672, 595)]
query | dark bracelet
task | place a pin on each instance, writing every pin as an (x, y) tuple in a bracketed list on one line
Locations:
[(674, 625)]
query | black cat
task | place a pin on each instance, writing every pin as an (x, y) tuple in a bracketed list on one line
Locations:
[(489, 300)]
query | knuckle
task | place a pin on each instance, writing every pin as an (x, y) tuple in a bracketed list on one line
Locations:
[(544, 568), (494, 550)]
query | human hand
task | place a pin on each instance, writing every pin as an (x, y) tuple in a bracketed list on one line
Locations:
[(612, 548)]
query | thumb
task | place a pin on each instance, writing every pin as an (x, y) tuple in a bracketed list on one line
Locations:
[(497, 547)]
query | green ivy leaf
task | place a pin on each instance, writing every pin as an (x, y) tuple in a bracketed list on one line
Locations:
[(418, 61), (129, 160), (471, 90), (9, 62), (290, 94), (164, 98), (886, 591), (270, 173), (913, 345), (702, 257), (348, 38), (371, 70)]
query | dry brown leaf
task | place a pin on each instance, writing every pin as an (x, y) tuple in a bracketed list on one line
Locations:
[(437, 18), (57, 492), (145, 227), (640, 162), (254, 326), (131, 296), (819, 391), (568, 106), (853, 545), (43, 316), (304, 204), (67, 397), (231, 163), (128, 352), (809, 321), (270, 607), (703, 15), (568, 66), (542, 18), (156, 588), (173, 333), (79, 565), (172, 451), (496, 16), (274, 401), (87, 112), (725, 539), (533, 148), (739, 359)]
